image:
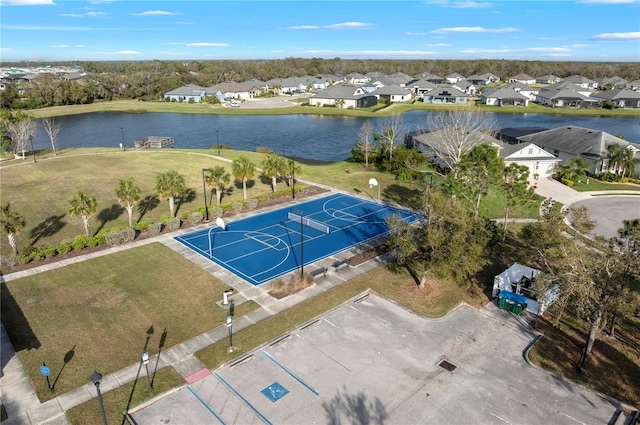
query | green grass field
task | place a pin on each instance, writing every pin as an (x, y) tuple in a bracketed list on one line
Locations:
[(597, 185)]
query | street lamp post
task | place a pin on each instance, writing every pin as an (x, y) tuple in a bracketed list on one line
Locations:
[(230, 327), (33, 150), (301, 214), (293, 178), (204, 188), (96, 378), (217, 142)]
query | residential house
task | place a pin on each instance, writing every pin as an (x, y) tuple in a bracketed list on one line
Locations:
[(454, 78), (401, 78), (504, 96), (186, 93), (547, 79), (393, 93), (522, 78), (374, 74), (607, 83), (484, 79), (510, 135), (445, 95), (343, 96), (355, 78), (581, 81), (524, 89), (433, 79), (541, 163), (563, 97), (633, 85), (233, 90), (420, 87), (569, 141), (620, 98), (466, 87), (432, 144)]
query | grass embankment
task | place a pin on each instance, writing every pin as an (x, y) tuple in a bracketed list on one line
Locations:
[(597, 185), (97, 314), (133, 106), (39, 191)]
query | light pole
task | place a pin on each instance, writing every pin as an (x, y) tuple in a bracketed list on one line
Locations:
[(301, 214), (96, 378), (217, 142), (293, 179), (204, 188), (33, 150), (230, 327), (372, 183)]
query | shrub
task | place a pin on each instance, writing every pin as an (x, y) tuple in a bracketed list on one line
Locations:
[(120, 237), (37, 253), (143, 225), (624, 180), (609, 177), (83, 241), (154, 229), (184, 215), (195, 217), (216, 212), (164, 219), (173, 223), (567, 182), (8, 261), (262, 149), (101, 236), (23, 259), (236, 207), (50, 250), (251, 203), (64, 247)]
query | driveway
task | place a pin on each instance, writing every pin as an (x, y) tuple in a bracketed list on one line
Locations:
[(372, 361)]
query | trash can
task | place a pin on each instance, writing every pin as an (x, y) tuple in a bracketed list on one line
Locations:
[(517, 308)]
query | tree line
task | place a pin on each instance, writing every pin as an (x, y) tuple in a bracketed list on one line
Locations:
[(147, 80)]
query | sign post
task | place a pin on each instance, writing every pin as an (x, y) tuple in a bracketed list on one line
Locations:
[(230, 327), (44, 370), (145, 362)]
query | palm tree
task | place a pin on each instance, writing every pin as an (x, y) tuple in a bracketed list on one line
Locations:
[(169, 185), (82, 205), (219, 179), (11, 224), (274, 166), (243, 169), (128, 194)]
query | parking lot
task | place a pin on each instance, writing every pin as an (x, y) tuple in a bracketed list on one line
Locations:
[(372, 361)]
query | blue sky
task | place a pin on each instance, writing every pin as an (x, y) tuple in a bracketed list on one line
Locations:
[(566, 30)]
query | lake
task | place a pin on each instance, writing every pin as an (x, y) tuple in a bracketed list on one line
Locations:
[(319, 137)]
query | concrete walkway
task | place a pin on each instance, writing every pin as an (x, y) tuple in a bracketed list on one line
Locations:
[(550, 188)]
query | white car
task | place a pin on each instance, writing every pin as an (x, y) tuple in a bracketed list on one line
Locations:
[(234, 104)]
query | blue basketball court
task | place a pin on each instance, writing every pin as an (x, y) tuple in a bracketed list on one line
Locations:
[(265, 246)]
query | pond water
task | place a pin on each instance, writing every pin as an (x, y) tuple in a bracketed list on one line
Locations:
[(324, 138)]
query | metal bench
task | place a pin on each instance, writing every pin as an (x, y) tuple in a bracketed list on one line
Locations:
[(336, 264), (320, 271)]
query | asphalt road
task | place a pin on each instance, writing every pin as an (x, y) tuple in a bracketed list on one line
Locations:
[(609, 212)]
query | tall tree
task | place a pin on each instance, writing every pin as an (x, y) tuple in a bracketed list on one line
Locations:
[(515, 182), (52, 128), (243, 170), (128, 194), (479, 169), (219, 179), (170, 185), (21, 132), (11, 224), (390, 129), (82, 205), (457, 131), (365, 141), (274, 166)]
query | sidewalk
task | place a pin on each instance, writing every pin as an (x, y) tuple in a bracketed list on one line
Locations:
[(19, 398), (550, 188)]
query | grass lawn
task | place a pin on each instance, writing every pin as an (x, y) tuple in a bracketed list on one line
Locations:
[(96, 313), (129, 395), (597, 185), (614, 364)]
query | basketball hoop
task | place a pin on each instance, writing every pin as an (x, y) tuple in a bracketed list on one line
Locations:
[(220, 223)]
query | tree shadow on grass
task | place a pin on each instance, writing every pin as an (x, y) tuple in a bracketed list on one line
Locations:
[(109, 214), (16, 324), (403, 195), (48, 227), (147, 204), (189, 196), (149, 333), (67, 358)]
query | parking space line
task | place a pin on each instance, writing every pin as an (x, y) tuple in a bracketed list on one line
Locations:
[(281, 366), (256, 411), (205, 405)]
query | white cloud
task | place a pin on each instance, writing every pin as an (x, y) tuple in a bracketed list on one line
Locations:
[(185, 23), (98, 14), (462, 4), (474, 30), (27, 3), (45, 28), (617, 36), (66, 46), (72, 15), (175, 43), (438, 45), (204, 44), (6, 49), (154, 13), (609, 1), (339, 26)]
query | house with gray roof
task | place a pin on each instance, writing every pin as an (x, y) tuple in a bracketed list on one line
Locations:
[(524, 89), (445, 95), (541, 163), (343, 96), (581, 81), (355, 78), (230, 89), (454, 78), (522, 78), (564, 97), (547, 79), (620, 98), (392, 93), (186, 93), (484, 79), (504, 96), (466, 87), (432, 78), (420, 87), (607, 83), (570, 141)]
